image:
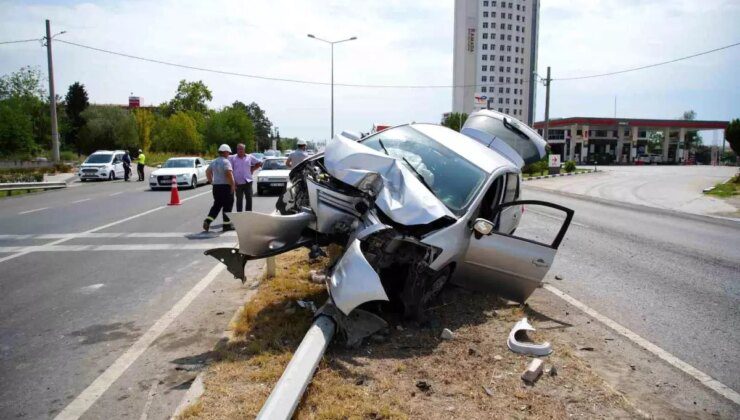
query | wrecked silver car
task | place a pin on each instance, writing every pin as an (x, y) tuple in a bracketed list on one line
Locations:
[(413, 207)]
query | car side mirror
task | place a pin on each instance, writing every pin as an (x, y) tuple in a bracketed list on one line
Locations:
[(483, 227), (371, 184)]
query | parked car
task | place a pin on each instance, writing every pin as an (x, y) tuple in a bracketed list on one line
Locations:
[(273, 176), (414, 206), (189, 172), (258, 155), (102, 164)]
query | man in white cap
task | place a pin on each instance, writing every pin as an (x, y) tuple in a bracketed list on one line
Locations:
[(298, 156), (221, 175)]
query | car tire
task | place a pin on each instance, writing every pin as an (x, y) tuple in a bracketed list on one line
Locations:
[(193, 182), (111, 176), (421, 289)]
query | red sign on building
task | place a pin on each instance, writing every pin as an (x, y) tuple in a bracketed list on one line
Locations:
[(134, 101)]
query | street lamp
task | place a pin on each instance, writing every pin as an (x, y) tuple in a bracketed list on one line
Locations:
[(332, 73)]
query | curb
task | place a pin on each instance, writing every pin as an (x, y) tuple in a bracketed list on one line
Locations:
[(532, 178)]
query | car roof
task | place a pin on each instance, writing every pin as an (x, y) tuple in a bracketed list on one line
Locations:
[(275, 158), (184, 157), (481, 156)]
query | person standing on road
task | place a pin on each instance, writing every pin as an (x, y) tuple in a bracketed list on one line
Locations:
[(298, 156), (126, 166), (221, 175), (243, 165), (140, 164)]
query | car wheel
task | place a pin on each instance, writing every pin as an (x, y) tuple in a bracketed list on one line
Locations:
[(111, 176), (193, 182), (420, 289)]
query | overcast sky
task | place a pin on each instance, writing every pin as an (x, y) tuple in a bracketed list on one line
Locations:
[(399, 42)]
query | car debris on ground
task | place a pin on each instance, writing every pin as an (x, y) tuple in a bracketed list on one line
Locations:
[(533, 372), (519, 342)]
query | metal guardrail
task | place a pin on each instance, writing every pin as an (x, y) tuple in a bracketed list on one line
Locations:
[(20, 186)]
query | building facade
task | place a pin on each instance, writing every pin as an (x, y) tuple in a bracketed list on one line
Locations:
[(622, 140), (495, 56)]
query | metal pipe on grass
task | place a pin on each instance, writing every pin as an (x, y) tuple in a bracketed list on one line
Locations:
[(289, 389)]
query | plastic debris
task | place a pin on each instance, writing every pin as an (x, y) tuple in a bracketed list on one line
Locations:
[(519, 342)]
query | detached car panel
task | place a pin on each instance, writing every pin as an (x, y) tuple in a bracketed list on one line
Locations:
[(414, 207)]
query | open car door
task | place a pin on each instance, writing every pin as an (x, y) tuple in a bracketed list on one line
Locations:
[(513, 265)]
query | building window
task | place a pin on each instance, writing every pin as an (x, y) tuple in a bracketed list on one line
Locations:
[(484, 46), (501, 48), (522, 18), (500, 90), (516, 49), (500, 100), (493, 25), (509, 26), (507, 110), (507, 101), (485, 14), (483, 89), (509, 15), (508, 80), (485, 4), (507, 90), (483, 79), (493, 14), (493, 3), (503, 4), (484, 57), (501, 69), (515, 80), (484, 68), (485, 25), (508, 69), (508, 48), (485, 36), (508, 58), (524, 8), (501, 80)]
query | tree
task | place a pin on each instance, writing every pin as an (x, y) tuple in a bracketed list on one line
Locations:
[(190, 96), (25, 82), (692, 138), (107, 127), (23, 91), (231, 125), (286, 143), (75, 102), (179, 134), (732, 134), (16, 130), (144, 126), (454, 120), (262, 124)]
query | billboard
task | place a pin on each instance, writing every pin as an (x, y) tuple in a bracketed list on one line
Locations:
[(134, 101)]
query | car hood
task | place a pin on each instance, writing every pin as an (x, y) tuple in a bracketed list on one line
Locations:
[(273, 173), (403, 197), (172, 171)]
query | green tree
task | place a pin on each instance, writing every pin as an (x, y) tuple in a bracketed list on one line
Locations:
[(75, 102), (23, 91), (190, 96), (25, 82), (454, 120), (732, 134), (178, 133), (144, 125), (231, 125), (692, 138), (16, 130), (262, 124), (286, 143), (107, 127)]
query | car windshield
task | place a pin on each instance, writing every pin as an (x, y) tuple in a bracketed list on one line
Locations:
[(274, 164), (99, 158), (179, 163), (452, 178)]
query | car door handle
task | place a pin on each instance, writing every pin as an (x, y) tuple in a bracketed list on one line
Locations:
[(539, 262)]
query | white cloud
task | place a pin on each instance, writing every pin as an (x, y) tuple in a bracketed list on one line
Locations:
[(399, 42)]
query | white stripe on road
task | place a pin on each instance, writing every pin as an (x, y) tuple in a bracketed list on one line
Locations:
[(105, 235), (122, 247), (672, 360), (87, 398), (33, 211), (81, 201), (119, 192), (106, 226)]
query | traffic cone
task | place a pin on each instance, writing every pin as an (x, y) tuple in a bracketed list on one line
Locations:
[(174, 195)]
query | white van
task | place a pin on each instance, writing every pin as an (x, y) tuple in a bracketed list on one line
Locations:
[(103, 164)]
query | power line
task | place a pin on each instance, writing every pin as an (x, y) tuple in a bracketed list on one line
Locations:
[(276, 79), (649, 65), (18, 41)]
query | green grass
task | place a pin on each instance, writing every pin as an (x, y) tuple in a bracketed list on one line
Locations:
[(546, 172), (727, 189), (13, 193)]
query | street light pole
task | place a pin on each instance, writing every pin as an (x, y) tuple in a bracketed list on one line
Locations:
[(332, 73)]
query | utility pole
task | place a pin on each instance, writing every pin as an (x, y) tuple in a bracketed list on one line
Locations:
[(52, 97), (547, 105)]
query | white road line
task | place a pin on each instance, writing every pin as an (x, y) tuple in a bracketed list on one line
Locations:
[(33, 211), (106, 235), (558, 218), (81, 201), (114, 194), (87, 398), (674, 361), (119, 247), (149, 398), (106, 226)]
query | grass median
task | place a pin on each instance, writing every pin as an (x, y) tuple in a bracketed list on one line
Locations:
[(726, 189), (408, 372)]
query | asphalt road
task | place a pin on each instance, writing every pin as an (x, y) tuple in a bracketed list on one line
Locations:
[(116, 260), (672, 278)]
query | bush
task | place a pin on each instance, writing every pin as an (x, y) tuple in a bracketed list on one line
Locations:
[(536, 167), (570, 166), (68, 156)]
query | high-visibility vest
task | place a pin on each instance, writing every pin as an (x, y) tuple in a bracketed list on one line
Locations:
[(142, 158)]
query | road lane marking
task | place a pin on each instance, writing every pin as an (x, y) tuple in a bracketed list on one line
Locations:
[(106, 226), (97, 388), (33, 211), (114, 194), (106, 235), (672, 360), (118, 247), (149, 399), (81, 201)]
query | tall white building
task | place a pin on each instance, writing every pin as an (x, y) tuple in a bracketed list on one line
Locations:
[(495, 56)]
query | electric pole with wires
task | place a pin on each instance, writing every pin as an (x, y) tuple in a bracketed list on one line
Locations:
[(547, 82), (52, 97)]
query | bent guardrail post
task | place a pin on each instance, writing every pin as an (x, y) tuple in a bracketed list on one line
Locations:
[(289, 389)]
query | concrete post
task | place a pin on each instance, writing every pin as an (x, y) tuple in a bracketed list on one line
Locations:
[(584, 145), (573, 132), (633, 149), (620, 143), (270, 267), (681, 143), (666, 143)]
